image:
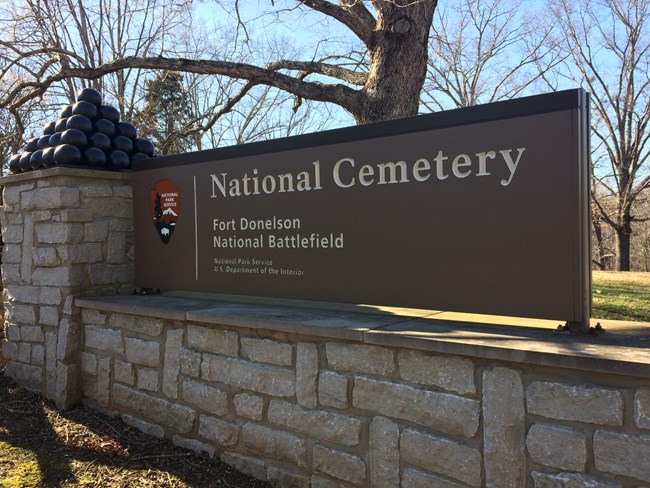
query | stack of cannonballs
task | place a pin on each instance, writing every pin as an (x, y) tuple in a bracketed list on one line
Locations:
[(86, 134)]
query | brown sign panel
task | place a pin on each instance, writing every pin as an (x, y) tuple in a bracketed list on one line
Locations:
[(481, 210)]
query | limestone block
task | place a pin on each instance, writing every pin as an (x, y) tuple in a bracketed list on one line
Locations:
[(123, 191), (283, 478), (569, 480), (504, 428), (275, 444), (443, 456), (205, 397), (103, 339), (440, 411), (11, 194), (12, 234), (68, 339), (642, 409), (172, 363), (13, 253), (320, 424), (190, 363), (32, 333), (448, 372), (98, 190), (49, 296), (146, 353), (622, 454), (267, 351), (90, 252), (417, 479), (339, 464), (12, 332), (59, 232), (103, 381), (384, 453), (152, 409), (38, 355), (124, 372), (75, 215), (63, 276), (89, 363), (557, 447), (50, 198), (249, 406), (194, 445), (116, 247), (122, 225), (360, 359), (43, 215), (95, 232), (9, 350), (20, 314), (216, 341), (10, 274), (48, 316), (109, 208), (223, 434), (333, 389), (248, 465), (50, 364), (145, 427), (68, 386), (574, 402), (111, 274), (148, 379), (306, 374), (25, 352), (261, 378), (143, 325), (25, 374)]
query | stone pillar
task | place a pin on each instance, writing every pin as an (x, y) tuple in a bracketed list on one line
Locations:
[(67, 233)]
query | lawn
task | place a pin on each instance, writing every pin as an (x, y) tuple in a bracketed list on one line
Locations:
[(621, 296)]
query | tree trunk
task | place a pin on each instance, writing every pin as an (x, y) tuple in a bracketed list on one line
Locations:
[(398, 61), (624, 234)]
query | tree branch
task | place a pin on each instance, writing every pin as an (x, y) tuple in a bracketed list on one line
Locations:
[(321, 68), (351, 13)]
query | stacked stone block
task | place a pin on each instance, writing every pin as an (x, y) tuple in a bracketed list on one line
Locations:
[(67, 233)]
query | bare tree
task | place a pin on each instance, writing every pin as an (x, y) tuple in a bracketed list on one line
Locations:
[(607, 49), (486, 50), (394, 34)]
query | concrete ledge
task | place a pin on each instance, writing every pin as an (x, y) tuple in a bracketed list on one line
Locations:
[(623, 349)]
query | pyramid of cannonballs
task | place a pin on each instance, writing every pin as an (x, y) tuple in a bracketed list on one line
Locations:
[(86, 134)]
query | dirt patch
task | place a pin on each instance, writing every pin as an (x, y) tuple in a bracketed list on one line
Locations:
[(41, 446)]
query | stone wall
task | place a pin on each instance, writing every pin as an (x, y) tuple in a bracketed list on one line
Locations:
[(313, 408), (67, 233)]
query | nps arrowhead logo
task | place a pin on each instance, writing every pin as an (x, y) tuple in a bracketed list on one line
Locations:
[(165, 204)]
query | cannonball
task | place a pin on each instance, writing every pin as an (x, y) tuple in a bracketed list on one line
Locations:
[(80, 122), (48, 157), (124, 144), (60, 125), (66, 112), (127, 130), (109, 112), (144, 146), (24, 164), (35, 159), (119, 160), (14, 163), (74, 137), (101, 141), (139, 156), (105, 126), (32, 144), (85, 108), (90, 95), (55, 139), (49, 129), (43, 142), (95, 156), (67, 154)]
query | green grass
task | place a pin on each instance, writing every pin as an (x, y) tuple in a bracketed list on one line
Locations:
[(621, 296)]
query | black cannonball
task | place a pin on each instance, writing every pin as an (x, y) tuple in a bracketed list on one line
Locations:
[(48, 157), (95, 156), (55, 139), (139, 156), (32, 144), (80, 122), (105, 126), (74, 137), (101, 141), (124, 144), (60, 125), (67, 154), (90, 95), (109, 112), (35, 160), (14, 163), (144, 146), (43, 142), (66, 112), (24, 164), (85, 108), (119, 160), (127, 130), (49, 129)]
